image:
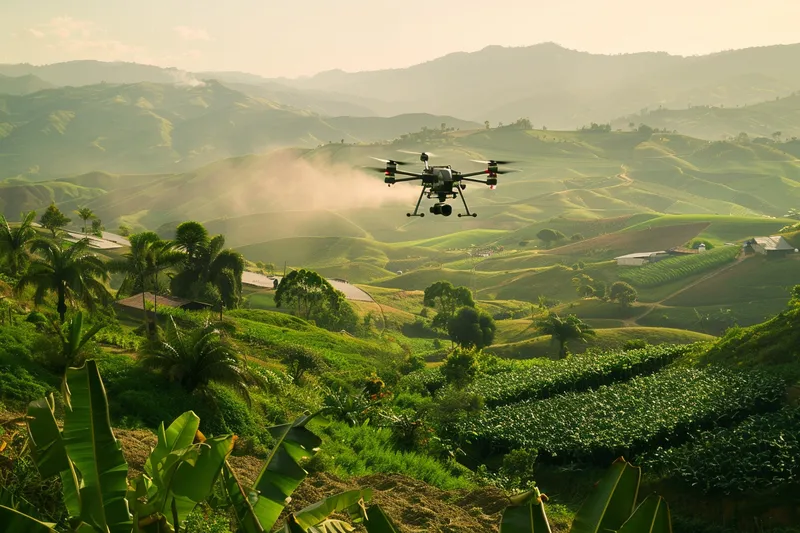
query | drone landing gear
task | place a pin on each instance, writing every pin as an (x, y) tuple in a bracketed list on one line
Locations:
[(466, 207), (416, 208)]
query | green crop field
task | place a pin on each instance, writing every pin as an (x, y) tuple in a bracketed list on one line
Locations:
[(642, 414), (674, 268), (606, 339)]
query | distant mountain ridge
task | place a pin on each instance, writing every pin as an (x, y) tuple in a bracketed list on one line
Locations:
[(547, 83), (25, 84), (150, 127)]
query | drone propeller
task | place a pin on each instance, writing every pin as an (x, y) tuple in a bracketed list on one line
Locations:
[(389, 161), (493, 162), (417, 153), (508, 171)]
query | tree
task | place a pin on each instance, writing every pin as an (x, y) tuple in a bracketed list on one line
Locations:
[(72, 338), (53, 219), (563, 330), (97, 227), (124, 230), (207, 264), (576, 237), (137, 266), (549, 236), (623, 293), (14, 243), (313, 298), (443, 296), (460, 367), (198, 357), (472, 328), (584, 285), (486, 124), (73, 274), (85, 214), (299, 360), (776, 135)]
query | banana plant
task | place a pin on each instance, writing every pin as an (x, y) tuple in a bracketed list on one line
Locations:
[(611, 507), (180, 472)]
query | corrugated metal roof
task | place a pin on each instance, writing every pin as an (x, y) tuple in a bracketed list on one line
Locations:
[(135, 301), (775, 242), (640, 255)]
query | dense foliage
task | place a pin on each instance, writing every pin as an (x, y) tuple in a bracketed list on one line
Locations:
[(574, 374), (675, 268), (761, 453), (627, 418)]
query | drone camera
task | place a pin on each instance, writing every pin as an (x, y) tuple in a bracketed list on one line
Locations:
[(442, 209), (491, 181), (423, 157)]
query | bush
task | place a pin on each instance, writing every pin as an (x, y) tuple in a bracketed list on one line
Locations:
[(460, 368)]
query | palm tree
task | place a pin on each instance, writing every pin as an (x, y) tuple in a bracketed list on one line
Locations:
[(563, 330), (197, 358), (85, 214), (72, 337), (73, 273), (14, 242), (163, 255), (138, 266), (208, 268)]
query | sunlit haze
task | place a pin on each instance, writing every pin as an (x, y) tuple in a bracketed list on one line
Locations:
[(304, 37)]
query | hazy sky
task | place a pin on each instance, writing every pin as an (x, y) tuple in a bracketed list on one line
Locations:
[(299, 37)]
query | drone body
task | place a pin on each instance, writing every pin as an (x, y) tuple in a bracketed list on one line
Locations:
[(442, 183)]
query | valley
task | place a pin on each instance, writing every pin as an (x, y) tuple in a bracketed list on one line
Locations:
[(627, 298)]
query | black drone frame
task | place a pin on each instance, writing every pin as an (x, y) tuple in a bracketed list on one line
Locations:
[(429, 180)]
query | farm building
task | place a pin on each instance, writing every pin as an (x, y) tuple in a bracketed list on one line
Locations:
[(134, 303), (775, 246), (641, 258)]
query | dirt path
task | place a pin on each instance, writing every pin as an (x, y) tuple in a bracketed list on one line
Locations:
[(634, 321)]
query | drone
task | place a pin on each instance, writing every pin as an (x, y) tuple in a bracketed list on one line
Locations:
[(441, 182)]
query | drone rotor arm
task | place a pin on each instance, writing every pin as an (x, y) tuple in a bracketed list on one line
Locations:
[(404, 173)]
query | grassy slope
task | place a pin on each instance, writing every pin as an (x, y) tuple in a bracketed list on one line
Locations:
[(606, 339)]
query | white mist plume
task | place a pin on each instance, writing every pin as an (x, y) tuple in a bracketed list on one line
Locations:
[(283, 182), (184, 79)]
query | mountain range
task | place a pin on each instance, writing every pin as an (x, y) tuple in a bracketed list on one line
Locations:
[(550, 85), (155, 127)]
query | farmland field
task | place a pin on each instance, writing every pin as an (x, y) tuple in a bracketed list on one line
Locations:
[(674, 268)]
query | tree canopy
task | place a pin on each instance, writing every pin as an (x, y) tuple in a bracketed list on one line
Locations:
[(446, 298), (53, 219), (472, 328), (623, 293), (311, 297), (563, 330), (550, 236)]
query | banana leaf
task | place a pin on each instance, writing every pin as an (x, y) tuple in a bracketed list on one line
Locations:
[(612, 501), (193, 483), (180, 434), (378, 522), (49, 453), (526, 514), (331, 526), (258, 509), (96, 454), (351, 501), (15, 522), (652, 516)]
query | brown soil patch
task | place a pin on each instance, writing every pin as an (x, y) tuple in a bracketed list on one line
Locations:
[(414, 506)]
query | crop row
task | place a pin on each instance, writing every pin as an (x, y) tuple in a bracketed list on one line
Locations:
[(763, 452), (676, 268), (575, 374), (627, 418)]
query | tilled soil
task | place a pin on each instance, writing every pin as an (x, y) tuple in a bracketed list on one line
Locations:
[(413, 505)]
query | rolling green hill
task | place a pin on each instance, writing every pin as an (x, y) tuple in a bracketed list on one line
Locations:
[(773, 120), (148, 127), (22, 84)]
